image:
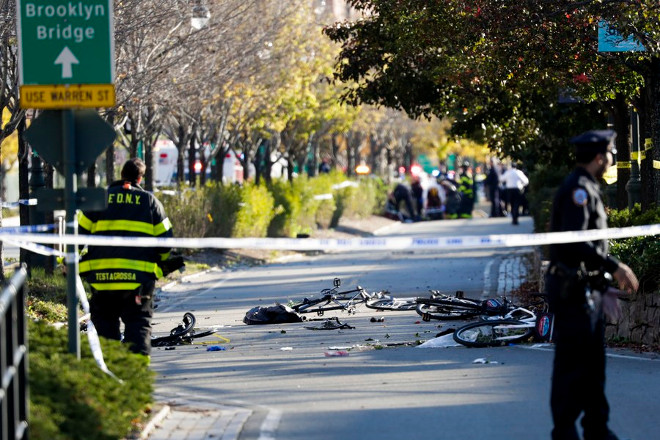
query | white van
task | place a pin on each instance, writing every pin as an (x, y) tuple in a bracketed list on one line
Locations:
[(232, 170), (165, 156)]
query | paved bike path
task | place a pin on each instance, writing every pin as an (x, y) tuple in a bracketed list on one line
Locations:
[(184, 417)]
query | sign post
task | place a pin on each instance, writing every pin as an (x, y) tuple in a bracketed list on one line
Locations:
[(66, 62)]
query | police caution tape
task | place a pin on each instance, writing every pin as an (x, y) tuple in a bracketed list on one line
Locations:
[(356, 244)]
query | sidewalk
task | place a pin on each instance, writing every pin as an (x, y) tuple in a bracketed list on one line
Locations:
[(180, 419)]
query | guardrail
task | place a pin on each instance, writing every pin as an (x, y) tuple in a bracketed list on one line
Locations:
[(13, 359)]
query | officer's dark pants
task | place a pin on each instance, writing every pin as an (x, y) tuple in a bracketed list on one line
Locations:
[(513, 196), (466, 207), (108, 307), (578, 378), (495, 202)]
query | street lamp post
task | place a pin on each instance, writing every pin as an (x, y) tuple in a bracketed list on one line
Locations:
[(634, 185), (37, 217)]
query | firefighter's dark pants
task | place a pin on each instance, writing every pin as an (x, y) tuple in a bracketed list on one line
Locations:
[(134, 308)]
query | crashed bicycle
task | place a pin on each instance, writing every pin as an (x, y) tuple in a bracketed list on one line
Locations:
[(183, 333), (332, 299), (516, 325)]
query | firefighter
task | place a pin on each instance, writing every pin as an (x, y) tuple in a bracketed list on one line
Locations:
[(466, 189), (123, 278)]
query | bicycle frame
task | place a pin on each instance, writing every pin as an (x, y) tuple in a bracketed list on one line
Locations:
[(519, 314), (347, 301)]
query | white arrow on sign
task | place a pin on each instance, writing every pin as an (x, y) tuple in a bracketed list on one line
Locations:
[(66, 58)]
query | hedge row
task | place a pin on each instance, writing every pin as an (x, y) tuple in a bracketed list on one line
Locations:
[(642, 254), (72, 399), (281, 209)]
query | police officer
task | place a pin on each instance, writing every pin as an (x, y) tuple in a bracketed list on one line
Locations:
[(578, 378), (123, 278)]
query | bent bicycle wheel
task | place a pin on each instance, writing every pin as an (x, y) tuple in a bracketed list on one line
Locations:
[(493, 333), (177, 333), (429, 310)]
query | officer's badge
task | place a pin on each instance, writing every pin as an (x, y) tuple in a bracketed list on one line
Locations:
[(580, 197)]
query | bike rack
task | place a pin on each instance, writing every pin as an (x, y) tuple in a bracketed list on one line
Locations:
[(13, 359)]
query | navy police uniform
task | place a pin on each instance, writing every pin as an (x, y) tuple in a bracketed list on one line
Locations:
[(578, 379), (123, 278)]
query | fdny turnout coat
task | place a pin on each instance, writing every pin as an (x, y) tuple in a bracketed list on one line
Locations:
[(131, 212)]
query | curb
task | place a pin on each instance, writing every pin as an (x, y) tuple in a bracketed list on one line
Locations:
[(155, 421)]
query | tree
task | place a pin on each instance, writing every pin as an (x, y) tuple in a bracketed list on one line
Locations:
[(12, 115), (496, 67)]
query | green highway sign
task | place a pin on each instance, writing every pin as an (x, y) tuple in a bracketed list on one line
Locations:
[(65, 42)]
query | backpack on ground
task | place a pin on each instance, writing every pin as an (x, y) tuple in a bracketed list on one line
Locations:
[(276, 314)]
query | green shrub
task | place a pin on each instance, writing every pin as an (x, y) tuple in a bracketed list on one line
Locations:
[(322, 187), (72, 399), (325, 213), (224, 204), (187, 209), (287, 207), (255, 212), (282, 209), (305, 189), (642, 254), (367, 199)]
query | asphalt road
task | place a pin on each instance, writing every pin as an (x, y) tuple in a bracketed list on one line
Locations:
[(387, 387)]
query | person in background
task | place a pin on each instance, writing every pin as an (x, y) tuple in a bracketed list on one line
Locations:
[(452, 197), (435, 201), (418, 197), (324, 166), (401, 193), (514, 181), (466, 190), (578, 377), (493, 186), (123, 278)]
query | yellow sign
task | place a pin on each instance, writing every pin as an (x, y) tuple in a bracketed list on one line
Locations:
[(58, 96)]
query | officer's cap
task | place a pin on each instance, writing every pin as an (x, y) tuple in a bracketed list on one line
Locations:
[(595, 141)]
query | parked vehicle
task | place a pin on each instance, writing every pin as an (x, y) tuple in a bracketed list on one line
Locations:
[(165, 157)]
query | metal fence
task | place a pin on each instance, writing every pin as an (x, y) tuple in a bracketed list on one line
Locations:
[(13, 359)]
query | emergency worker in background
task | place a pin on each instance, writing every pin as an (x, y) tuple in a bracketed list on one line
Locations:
[(466, 190), (453, 198), (417, 192), (515, 182), (123, 278), (403, 193), (578, 379), (493, 184)]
